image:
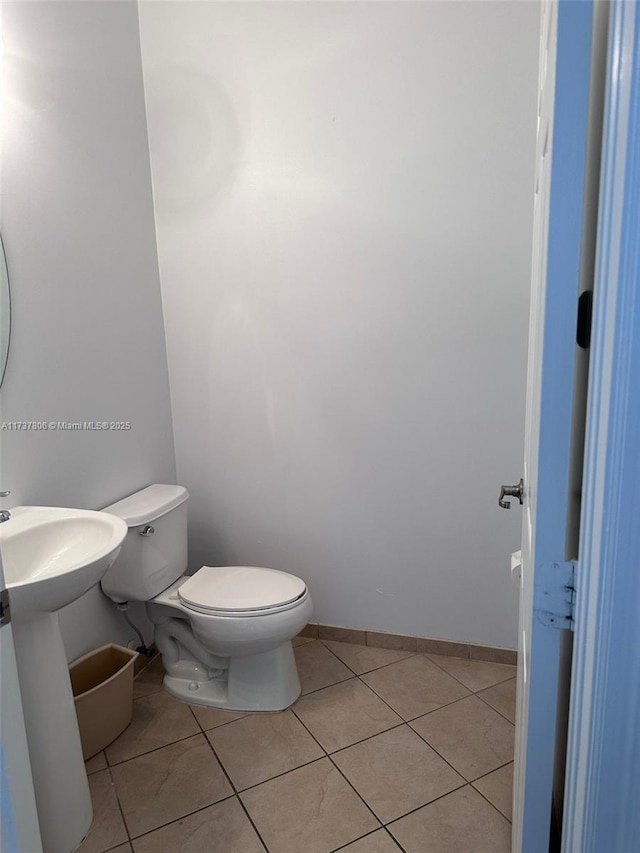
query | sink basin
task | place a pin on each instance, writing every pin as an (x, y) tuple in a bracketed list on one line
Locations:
[(51, 555)]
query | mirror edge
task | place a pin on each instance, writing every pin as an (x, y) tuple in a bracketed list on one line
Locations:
[(3, 260)]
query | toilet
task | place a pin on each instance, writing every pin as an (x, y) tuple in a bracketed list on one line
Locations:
[(225, 632)]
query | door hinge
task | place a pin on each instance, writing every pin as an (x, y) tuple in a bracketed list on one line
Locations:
[(555, 594), (5, 612)]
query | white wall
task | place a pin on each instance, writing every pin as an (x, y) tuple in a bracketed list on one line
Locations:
[(77, 220), (343, 203)]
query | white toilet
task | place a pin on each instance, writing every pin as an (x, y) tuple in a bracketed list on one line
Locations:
[(225, 632)]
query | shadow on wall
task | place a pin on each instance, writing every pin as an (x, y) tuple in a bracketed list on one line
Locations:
[(197, 148)]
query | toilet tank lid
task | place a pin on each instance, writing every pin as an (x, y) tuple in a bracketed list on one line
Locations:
[(148, 504)]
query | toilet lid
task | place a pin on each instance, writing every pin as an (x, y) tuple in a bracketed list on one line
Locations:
[(240, 588)]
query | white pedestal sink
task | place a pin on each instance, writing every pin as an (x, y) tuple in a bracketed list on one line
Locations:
[(52, 556)]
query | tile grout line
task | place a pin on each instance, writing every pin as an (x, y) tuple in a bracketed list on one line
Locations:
[(228, 722), (177, 820), (302, 696), (376, 668), (120, 809), (455, 770), (469, 647), (398, 725), (280, 775), (464, 784), (360, 838), (438, 753), (493, 806), (115, 847), (365, 739), (424, 806), (405, 723), (108, 849), (131, 838), (395, 840), (360, 679), (411, 719), (473, 785), (277, 775), (318, 689), (455, 701), (335, 766), (489, 772), (415, 654), (357, 677), (475, 692), (368, 834), (487, 800), (467, 781), (149, 751), (233, 795), (148, 693), (233, 787), (326, 754), (491, 706)]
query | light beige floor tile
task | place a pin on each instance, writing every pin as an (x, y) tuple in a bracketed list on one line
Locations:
[(378, 842), (122, 848), (461, 822), (97, 762), (497, 787), (340, 715), (474, 674), (470, 735), (300, 641), (396, 772), (502, 697), (158, 720), (108, 828), (310, 810), (223, 827), (261, 746), (167, 784), (364, 658), (414, 686), (318, 668), (209, 718), (150, 679)]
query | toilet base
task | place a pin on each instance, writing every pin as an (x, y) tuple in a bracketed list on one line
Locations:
[(263, 682)]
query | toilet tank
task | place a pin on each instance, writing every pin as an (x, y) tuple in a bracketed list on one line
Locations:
[(154, 551)]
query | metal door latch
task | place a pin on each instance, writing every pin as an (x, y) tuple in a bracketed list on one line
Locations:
[(512, 492)]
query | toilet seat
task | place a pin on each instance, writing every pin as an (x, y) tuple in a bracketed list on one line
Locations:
[(240, 591)]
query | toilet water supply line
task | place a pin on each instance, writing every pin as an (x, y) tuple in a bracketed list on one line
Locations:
[(142, 648)]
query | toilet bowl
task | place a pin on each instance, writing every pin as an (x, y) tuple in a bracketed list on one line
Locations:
[(251, 667), (224, 632)]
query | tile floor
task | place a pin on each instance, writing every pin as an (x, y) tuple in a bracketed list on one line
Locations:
[(385, 751)]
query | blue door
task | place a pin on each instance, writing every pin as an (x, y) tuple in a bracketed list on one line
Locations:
[(561, 160), (602, 803)]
